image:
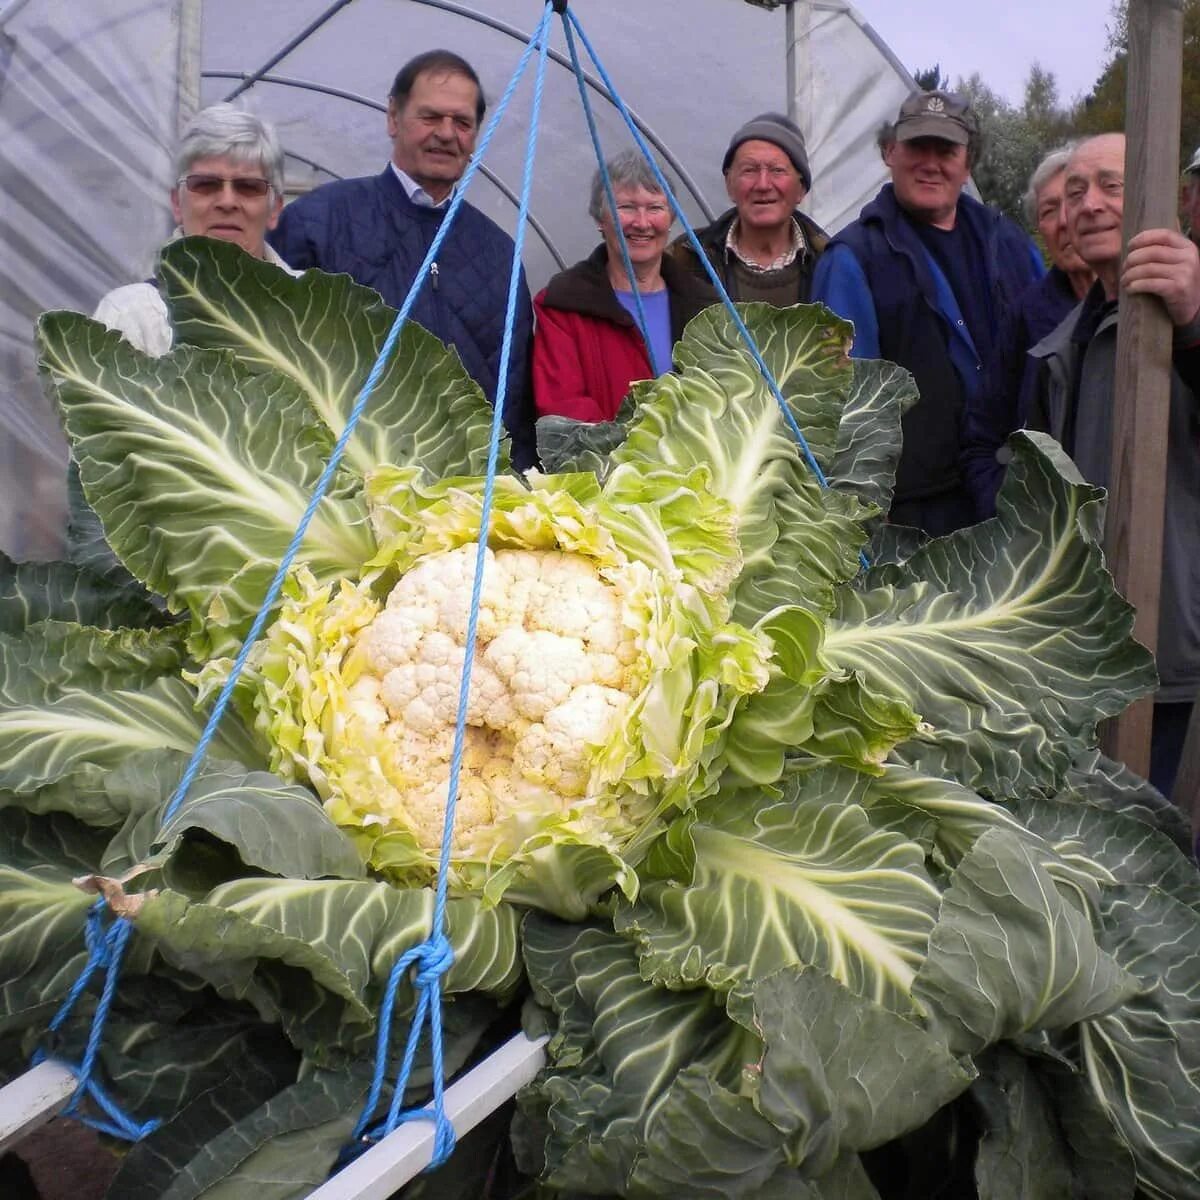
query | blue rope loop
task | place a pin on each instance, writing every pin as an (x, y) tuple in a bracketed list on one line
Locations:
[(106, 948), (570, 20)]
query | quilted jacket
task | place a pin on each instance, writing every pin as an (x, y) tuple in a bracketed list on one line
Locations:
[(370, 230)]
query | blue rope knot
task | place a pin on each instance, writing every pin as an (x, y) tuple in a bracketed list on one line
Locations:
[(436, 957)]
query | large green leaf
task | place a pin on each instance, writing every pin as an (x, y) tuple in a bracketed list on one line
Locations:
[(199, 470), (324, 333), (259, 1068), (1008, 638), (746, 888), (886, 1074), (1114, 847), (869, 434), (1010, 954), (42, 913), (1143, 1059), (1098, 780), (283, 1149), (38, 591), (798, 540), (1022, 1151), (273, 827), (316, 954), (54, 657), (652, 1094), (645, 1081), (952, 816), (75, 698), (41, 743)]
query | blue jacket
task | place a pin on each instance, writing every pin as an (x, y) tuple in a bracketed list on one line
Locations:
[(369, 229), (1010, 384), (878, 274)]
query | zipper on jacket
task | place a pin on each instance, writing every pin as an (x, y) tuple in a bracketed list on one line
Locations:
[(433, 275)]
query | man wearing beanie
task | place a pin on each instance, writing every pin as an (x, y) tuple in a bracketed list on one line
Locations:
[(927, 275), (762, 248)]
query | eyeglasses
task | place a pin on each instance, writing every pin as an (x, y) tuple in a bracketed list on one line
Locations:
[(210, 185), (651, 210)]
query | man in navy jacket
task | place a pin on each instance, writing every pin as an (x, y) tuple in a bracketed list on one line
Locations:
[(927, 275), (378, 230)]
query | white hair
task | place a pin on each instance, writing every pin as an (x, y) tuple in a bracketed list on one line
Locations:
[(223, 131), (629, 169), (1053, 164)]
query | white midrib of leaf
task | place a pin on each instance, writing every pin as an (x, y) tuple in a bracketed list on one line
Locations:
[(1028, 601), (1090, 1030), (322, 396), (799, 884), (262, 496), (741, 487)]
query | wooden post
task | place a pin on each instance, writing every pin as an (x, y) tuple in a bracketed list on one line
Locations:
[(1141, 392)]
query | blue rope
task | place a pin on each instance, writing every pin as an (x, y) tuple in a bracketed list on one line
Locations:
[(105, 951), (643, 324), (435, 956), (570, 19)]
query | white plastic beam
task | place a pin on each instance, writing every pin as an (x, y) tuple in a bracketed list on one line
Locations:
[(391, 1163), (33, 1099)]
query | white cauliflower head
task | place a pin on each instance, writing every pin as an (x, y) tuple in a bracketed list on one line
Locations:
[(557, 664)]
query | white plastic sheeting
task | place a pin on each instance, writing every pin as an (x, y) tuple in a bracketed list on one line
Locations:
[(87, 120), (89, 97)]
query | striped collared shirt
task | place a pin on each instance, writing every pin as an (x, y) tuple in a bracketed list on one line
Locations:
[(798, 249)]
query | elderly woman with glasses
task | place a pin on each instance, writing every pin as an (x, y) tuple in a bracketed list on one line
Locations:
[(588, 346), (229, 185)]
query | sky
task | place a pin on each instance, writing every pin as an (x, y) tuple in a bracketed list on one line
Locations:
[(1000, 39)]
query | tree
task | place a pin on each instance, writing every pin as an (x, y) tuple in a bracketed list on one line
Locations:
[(1103, 110), (1014, 139)]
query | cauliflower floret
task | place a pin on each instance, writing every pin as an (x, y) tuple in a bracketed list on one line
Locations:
[(394, 637), (541, 668), (555, 752)]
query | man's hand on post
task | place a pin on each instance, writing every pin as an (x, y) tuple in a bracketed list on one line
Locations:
[(1164, 263)]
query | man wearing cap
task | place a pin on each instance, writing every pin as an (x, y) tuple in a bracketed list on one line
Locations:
[(763, 248), (927, 275), (1189, 198)]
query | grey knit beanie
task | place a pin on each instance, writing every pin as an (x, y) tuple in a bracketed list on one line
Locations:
[(780, 131)]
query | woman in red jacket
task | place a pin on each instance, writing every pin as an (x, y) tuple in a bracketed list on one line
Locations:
[(587, 347)]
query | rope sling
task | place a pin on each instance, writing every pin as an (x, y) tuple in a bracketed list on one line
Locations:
[(428, 961)]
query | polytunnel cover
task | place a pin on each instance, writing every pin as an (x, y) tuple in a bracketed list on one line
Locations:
[(91, 96)]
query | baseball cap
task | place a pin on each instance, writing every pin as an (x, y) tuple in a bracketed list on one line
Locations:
[(938, 114)]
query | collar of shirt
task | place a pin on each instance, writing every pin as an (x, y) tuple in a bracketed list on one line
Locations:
[(798, 249), (417, 194)]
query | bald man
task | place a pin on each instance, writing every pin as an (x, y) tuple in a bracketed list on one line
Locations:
[(1074, 402)]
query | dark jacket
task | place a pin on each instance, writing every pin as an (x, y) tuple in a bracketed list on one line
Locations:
[(587, 349), (1010, 381), (369, 229), (712, 238), (878, 274), (1073, 403)]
